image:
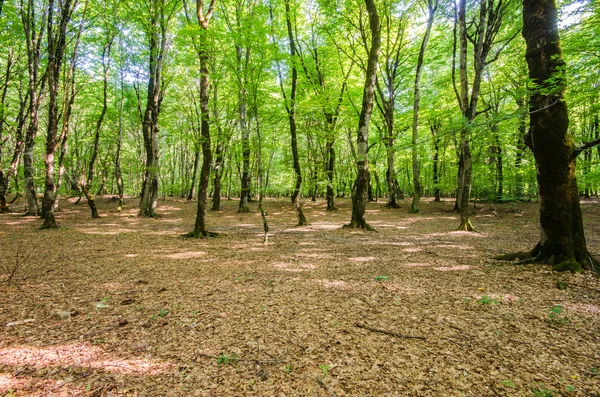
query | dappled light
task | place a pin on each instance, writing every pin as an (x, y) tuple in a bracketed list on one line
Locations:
[(79, 355), (453, 268)]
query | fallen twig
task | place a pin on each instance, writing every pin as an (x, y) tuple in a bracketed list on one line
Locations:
[(382, 331), (247, 361), (324, 386)]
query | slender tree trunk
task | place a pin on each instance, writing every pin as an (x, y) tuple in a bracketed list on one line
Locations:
[(57, 42), (157, 32), (435, 131), (217, 177), (359, 200), (520, 147), (330, 172), (246, 178), (118, 174), (91, 168), (291, 111), (200, 229), (417, 190)]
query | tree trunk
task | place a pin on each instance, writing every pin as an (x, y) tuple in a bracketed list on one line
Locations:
[(91, 168), (562, 240), (330, 173), (57, 42), (417, 190), (291, 111), (157, 33), (217, 177), (197, 155), (359, 200), (435, 131), (200, 229), (246, 179)]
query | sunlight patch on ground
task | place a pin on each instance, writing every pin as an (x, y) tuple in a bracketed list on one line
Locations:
[(453, 268), (362, 259), (105, 232), (185, 255), (294, 268), (417, 264), (414, 249), (131, 255), (583, 308), (455, 246), (78, 355)]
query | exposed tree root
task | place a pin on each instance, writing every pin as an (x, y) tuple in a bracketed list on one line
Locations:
[(359, 225), (393, 205), (536, 256), (200, 234), (466, 225)]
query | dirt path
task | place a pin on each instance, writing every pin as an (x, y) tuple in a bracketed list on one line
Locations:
[(152, 312)]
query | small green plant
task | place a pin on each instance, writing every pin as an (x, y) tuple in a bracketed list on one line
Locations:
[(288, 368), (570, 388), (594, 371), (381, 278), (324, 368), (224, 359), (555, 315), (541, 391), (508, 383), (163, 312), (488, 300), (99, 341), (562, 285)]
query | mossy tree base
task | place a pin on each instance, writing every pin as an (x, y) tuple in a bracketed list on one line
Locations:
[(200, 234), (359, 225), (466, 225), (540, 255), (392, 204)]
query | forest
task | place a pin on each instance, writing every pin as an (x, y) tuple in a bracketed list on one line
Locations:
[(306, 197)]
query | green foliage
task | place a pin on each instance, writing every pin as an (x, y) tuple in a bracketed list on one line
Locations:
[(541, 391), (225, 359), (556, 316), (324, 368), (562, 285), (486, 300), (381, 278), (568, 266), (508, 383)]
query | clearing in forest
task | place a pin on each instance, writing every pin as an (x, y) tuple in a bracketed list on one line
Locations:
[(415, 308)]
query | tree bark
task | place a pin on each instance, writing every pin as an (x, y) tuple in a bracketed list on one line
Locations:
[(359, 200), (157, 34), (417, 189), (562, 240), (291, 111), (200, 229)]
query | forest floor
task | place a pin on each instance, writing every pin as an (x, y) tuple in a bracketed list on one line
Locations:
[(153, 314)]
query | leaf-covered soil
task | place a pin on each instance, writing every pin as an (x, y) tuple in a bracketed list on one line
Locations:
[(155, 314)]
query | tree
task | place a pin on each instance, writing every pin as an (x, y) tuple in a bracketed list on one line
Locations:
[(57, 45), (431, 10), (159, 15), (359, 200), (203, 17), (290, 107), (562, 240)]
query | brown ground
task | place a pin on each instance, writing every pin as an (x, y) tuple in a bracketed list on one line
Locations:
[(288, 311)]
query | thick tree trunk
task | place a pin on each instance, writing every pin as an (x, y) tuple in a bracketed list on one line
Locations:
[(417, 190), (562, 240), (359, 200)]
